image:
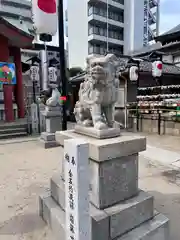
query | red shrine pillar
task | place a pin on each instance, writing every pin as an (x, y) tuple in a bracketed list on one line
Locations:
[(19, 89), (8, 89)]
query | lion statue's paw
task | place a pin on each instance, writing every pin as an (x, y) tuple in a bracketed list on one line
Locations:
[(88, 123), (100, 126)]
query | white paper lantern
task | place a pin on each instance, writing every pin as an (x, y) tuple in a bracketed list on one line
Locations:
[(157, 68), (45, 16), (34, 73), (52, 74), (133, 73)]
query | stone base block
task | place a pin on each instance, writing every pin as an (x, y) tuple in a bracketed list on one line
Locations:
[(102, 225), (52, 111), (53, 214), (100, 134), (57, 186), (47, 140), (130, 214), (113, 181), (53, 124), (48, 144), (48, 136), (106, 149), (155, 229), (122, 217)]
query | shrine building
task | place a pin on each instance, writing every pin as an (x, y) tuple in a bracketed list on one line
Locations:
[(16, 32)]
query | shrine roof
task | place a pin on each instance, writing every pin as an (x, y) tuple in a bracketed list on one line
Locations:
[(169, 36), (16, 22), (145, 66), (18, 13), (17, 35), (24, 28)]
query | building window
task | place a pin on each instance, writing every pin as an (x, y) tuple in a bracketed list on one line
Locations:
[(103, 13), (90, 11), (96, 49), (103, 32), (116, 16)]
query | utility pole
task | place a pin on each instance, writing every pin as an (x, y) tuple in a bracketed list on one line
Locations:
[(62, 83)]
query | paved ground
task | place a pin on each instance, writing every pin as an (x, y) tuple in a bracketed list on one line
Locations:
[(25, 170), (171, 143)]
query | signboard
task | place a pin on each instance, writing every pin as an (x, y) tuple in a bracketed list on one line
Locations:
[(78, 220), (7, 73)]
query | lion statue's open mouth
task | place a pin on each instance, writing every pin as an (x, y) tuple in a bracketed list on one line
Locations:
[(98, 73)]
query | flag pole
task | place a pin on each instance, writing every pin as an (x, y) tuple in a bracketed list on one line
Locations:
[(62, 82)]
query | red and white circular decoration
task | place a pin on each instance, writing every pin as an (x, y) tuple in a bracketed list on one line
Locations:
[(45, 16)]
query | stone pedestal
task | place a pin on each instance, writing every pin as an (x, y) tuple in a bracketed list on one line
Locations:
[(53, 124), (118, 208)]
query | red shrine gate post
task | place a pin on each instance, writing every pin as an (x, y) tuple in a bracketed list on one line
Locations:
[(8, 89), (19, 90)]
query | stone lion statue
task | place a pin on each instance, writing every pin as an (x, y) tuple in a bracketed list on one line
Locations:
[(51, 96), (98, 93)]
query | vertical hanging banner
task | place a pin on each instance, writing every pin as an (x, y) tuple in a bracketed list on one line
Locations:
[(45, 16)]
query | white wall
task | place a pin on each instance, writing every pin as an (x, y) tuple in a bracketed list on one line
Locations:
[(77, 32), (167, 58), (177, 60)]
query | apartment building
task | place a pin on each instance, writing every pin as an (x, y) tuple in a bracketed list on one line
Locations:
[(101, 26)]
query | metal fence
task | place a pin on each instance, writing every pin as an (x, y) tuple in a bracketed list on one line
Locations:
[(160, 121)]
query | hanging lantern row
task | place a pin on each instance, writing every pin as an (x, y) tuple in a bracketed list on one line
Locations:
[(159, 96), (151, 104), (168, 102), (158, 87)]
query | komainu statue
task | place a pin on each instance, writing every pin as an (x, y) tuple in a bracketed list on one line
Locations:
[(98, 93), (51, 96)]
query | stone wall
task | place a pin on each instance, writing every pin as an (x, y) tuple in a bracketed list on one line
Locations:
[(149, 123)]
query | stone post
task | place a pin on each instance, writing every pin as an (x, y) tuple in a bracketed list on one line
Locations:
[(53, 124), (78, 221)]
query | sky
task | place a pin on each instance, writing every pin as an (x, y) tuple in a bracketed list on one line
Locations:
[(169, 16)]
